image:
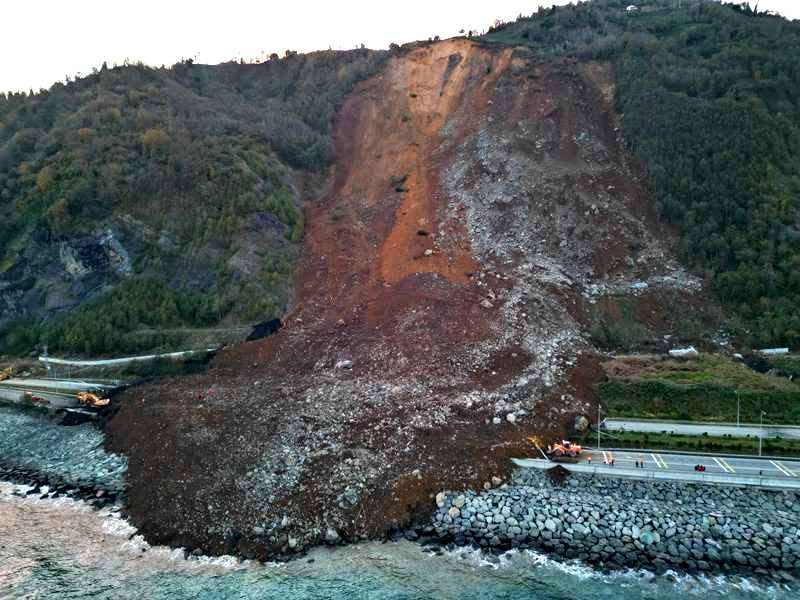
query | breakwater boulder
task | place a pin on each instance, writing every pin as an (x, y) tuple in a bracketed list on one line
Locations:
[(66, 461), (628, 523)]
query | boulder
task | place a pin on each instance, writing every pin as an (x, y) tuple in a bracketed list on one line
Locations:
[(581, 423), (331, 536)]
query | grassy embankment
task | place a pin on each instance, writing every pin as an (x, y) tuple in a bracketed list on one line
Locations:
[(687, 443), (705, 389)]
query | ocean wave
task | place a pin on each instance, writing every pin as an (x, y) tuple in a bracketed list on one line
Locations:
[(683, 584)]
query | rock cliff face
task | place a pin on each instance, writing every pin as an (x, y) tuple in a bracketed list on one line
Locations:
[(480, 215), (74, 269)]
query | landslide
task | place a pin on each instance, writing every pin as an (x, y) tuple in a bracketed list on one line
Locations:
[(480, 214)]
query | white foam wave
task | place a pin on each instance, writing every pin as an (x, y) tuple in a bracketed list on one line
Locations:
[(684, 584)]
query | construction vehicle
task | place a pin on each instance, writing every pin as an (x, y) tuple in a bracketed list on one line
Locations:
[(564, 449), (92, 400), (6, 373)]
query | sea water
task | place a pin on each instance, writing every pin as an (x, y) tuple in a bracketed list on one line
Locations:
[(63, 548)]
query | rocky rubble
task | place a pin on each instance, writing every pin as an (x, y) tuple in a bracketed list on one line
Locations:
[(51, 486), (35, 450), (623, 523)]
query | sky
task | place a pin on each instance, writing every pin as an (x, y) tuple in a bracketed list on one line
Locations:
[(44, 41)]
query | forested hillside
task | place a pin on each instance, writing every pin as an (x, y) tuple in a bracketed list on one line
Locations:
[(183, 185), (174, 183), (710, 98)]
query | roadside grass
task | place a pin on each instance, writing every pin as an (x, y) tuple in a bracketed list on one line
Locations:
[(656, 387), (694, 443)]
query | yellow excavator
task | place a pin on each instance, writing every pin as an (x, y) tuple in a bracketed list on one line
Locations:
[(92, 400), (6, 373)]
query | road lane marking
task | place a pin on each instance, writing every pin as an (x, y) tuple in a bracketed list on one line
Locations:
[(783, 469), (780, 468), (722, 466), (660, 462), (727, 465), (792, 473)]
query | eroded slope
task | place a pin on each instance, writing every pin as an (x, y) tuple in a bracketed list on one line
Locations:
[(479, 211)]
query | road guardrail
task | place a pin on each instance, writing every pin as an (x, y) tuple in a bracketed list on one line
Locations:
[(685, 477)]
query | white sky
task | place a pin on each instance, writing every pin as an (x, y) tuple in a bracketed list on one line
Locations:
[(43, 41)]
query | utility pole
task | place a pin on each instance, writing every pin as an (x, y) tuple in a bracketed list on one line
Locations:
[(598, 425), (761, 432), (738, 406)]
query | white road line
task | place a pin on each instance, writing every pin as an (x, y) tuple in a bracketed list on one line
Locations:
[(660, 462), (783, 469), (727, 465), (722, 466), (788, 470)]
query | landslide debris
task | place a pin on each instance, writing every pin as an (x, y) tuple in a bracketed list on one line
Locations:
[(413, 362)]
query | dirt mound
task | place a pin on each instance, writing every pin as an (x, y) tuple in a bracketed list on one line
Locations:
[(479, 202)]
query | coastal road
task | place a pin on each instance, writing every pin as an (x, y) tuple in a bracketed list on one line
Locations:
[(716, 465), (786, 432), (50, 393), (763, 473)]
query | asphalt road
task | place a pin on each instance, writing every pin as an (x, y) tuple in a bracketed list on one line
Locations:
[(53, 400), (718, 429), (684, 463), (54, 393), (56, 385)]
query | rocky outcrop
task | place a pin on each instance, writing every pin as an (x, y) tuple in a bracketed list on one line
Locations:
[(626, 523), (54, 274)]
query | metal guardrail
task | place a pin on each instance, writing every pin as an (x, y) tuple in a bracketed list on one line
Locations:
[(115, 362), (700, 428), (60, 385), (689, 422), (704, 478)]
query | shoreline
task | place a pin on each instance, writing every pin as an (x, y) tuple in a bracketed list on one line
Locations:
[(437, 536), (96, 495), (617, 523)]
